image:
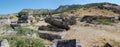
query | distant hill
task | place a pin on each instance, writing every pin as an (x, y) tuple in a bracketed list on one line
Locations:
[(37, 11), (106, 9)]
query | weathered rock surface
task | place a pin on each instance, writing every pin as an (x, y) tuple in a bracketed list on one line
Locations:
[(4, 43), (50, 28), (59, 22), (64, 43)]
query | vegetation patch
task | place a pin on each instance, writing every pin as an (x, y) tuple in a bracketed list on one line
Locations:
[(17, 41), (7, 27), (104, 22), (23, 30)]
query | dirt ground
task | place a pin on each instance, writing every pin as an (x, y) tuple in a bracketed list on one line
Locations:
[(91, 34)]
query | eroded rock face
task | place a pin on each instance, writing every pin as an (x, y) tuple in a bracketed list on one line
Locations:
[(4, 43), (49, 36)]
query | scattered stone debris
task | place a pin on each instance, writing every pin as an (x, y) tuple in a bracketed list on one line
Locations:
[(64, 43), (108, 45), (4, 43), (48, 36), (50, 28), (91, 19)]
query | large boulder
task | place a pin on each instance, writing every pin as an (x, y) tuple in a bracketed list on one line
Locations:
[(59, 22), (48, 36)]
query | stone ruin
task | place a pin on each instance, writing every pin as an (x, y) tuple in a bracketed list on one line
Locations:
[(91, 19), (50, 28), (59, 23), (49, 37), (65, 43)]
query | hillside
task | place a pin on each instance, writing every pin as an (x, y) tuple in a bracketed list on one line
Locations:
[(98, 9)]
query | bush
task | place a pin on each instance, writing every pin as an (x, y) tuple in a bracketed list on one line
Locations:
[(23, 41), (23, 30)]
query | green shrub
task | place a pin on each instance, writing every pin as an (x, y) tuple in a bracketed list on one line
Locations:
[(23, 30), (104, 22), (7, 27), (17, 41)]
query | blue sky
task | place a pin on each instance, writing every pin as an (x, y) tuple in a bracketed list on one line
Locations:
[(14, 6)]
